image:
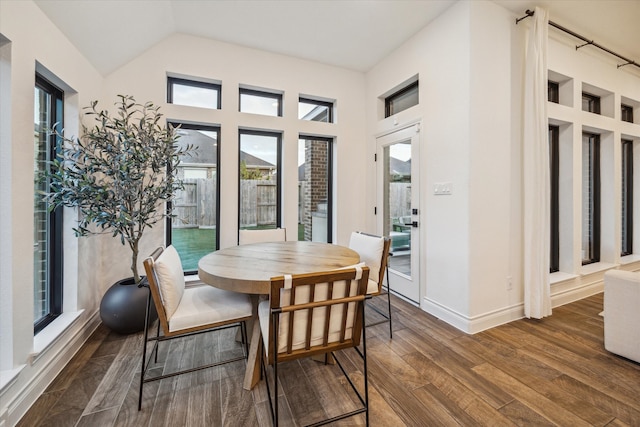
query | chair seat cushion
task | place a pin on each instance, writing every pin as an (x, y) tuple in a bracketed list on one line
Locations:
[(202, 305)]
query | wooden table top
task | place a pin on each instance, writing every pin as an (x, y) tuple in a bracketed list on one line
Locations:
[(249, 268)]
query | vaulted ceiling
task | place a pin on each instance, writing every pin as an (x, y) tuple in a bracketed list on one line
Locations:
[(354, 34)]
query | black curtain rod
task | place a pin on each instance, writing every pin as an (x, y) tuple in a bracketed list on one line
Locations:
[(584, 39)]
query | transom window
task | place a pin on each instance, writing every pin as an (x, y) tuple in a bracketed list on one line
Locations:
[(259, 102), (553, 92), (316, 111), (193, 93), (401, 100), (590, 103), (627, 113)]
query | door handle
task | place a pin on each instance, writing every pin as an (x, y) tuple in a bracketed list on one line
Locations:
[(414, 224)]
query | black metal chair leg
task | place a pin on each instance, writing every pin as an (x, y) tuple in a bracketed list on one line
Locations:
[(389, 304), (144, 350)]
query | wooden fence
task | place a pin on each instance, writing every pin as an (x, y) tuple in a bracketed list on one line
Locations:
[(195, 206), (258, 202)]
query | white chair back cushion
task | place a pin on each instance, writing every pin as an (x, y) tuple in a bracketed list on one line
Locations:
[(170, 279), (319, 315), (370, 249), (260, 236)]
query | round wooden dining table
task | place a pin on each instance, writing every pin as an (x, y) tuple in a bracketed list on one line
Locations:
[(249, 268)]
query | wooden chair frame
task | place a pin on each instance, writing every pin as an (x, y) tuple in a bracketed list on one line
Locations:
[(271, 355), (151, 282)]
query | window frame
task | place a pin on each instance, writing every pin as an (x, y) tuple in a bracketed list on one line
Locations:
[(193, 83), (329, 105), (593, 103), (554, 165), (55, 261), (595, 218), (259, 93), (627, 198), (278, 136), (389, 99)]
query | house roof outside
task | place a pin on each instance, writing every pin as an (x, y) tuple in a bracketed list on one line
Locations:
[(206, 152)]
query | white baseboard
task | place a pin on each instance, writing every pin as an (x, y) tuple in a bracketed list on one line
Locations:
[(475, 324), (24, 392)]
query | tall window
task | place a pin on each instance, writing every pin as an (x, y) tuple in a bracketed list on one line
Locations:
[(401, 100), (590, 198), (627, 198), (47, 239), (260, 180), (259, 102), (590, 103), (554, 163), (627, 113), (314, 189), (193, 93), (316, 111), (193, 228)]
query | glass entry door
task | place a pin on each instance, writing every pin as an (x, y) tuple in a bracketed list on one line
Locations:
[(398, 204)]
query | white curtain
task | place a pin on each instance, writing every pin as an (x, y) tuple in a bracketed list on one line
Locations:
[(537, 294)]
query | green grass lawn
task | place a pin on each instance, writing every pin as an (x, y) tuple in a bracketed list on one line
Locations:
[(194, 243)]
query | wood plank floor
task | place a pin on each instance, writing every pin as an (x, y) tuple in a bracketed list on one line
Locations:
[(550, 372)]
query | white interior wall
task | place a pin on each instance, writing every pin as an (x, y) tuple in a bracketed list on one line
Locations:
[(491, 195), (36, 42), (146, 78), (439, 54)]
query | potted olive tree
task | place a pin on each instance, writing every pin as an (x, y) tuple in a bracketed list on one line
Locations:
[(118, 174)]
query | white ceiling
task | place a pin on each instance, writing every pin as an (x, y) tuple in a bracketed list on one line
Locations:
[(354, 34)]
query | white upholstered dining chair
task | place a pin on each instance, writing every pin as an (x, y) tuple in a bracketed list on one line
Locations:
[(314, 314), (374, 252), (187, 311), (259, 236)]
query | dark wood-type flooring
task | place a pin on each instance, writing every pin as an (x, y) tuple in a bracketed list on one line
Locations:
[(550, 372)]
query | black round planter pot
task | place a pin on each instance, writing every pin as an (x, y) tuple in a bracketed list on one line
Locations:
[(123, 307)]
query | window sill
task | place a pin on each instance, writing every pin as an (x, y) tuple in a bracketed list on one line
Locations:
[(49, 335), (628, 259), (560, 276), (596, 267), (8, 377)]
